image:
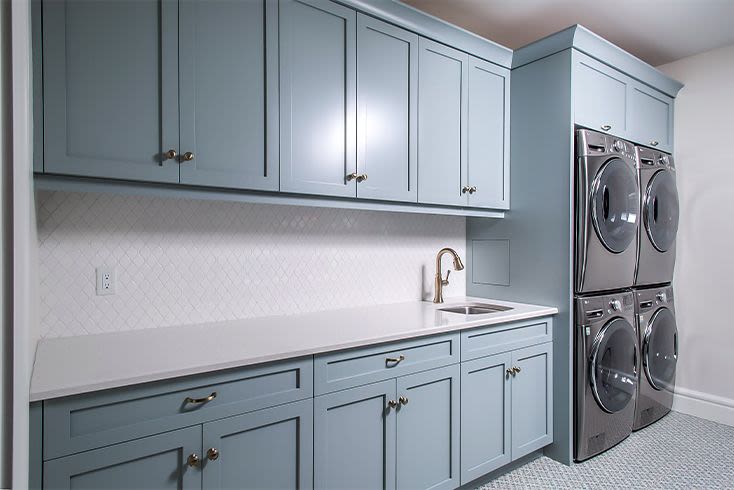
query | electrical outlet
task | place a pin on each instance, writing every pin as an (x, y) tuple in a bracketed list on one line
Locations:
[(106, 281)]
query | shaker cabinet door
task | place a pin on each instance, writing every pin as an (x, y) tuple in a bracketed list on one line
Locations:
[(599, 96), (266, 449), (442, 121), (317, 98), (110, 88), (387, 96), (651, 117), (485, 415), (428, 429), (532, 399), (156, 462), (229, 101), (488, 167), (354, 438)]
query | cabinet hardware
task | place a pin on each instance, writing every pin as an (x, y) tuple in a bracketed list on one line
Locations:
[(352, 176), (403, 400), (392, 403), (606, 127), (509, 372), (654, 143), (516, 370), (188, 156), (472, 189), (206, 399), (395, 360), (169, 155), (465, 189), (361, 177), (212, 454), (193, 460)]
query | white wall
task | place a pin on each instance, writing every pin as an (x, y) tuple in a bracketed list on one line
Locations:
[(184, 261), (704, 276)]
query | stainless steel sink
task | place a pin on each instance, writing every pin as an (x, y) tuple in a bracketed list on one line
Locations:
[(475, 309)]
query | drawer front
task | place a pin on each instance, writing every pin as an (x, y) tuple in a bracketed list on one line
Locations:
[(481, 342), (342, 370), (83, 422)]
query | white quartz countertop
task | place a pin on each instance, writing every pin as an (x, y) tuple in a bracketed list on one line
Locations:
[(72, 365)]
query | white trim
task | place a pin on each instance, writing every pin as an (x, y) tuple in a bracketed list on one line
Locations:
[(704, 405)]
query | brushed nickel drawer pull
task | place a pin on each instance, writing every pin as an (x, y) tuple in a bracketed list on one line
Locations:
[(606, 127), (654, 143), (395, 360), (197, 401)]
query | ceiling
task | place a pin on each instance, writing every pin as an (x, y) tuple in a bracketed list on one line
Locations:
[(657, 31)]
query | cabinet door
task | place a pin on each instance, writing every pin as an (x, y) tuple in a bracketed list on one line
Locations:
[(158, 462), (651, 117), (270, 448), (354, 438), (442, 120), (229, 93), (111, 88), (428, 429), (485, 415), (599, 96), (317, 97), (488, 167), (387, 112), (532, 399)]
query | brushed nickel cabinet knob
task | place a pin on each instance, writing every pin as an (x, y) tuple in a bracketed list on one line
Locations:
[(465, 189), (654, 143), (403, 400), (392, 403), (352, 176), (606, 127), (170, 155), (212, 454), (472, 189), (188, 156), (193, 460), (509, 372), (361, 177)]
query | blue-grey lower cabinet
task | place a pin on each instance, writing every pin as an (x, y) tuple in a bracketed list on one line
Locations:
[(506, 408), (155, 462), (400, 433), (267, 449)]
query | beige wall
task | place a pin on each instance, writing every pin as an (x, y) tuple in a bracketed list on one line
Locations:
[(704, 276)]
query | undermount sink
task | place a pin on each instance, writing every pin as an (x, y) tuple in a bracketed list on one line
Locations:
[(475, 309)]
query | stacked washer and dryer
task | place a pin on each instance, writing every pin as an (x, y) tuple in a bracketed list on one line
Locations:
[(626, 338)]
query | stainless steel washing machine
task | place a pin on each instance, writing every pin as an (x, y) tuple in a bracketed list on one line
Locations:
[(605, 372), (607, 212), (658, 343), (659, 223)]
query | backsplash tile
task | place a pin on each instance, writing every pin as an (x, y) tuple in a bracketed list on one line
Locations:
[(184, 261)]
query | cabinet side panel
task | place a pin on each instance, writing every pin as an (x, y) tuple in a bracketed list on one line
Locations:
[(540, 226)]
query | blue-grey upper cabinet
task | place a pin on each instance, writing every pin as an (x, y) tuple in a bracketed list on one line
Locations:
[(167, 461), (318, 71), (228, 76), (442, 122), (387, 111), (488, 166), (651, 117), (110, 89), (599, 96), (428, 429), (266, 449), (485, 415), (532, 399), (355, 438)]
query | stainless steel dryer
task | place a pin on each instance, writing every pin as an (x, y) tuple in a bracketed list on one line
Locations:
[(607, 212), (658, 342), (605, 372), (659, 223)]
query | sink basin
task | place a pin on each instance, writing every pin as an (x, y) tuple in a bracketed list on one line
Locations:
[(475, 309)]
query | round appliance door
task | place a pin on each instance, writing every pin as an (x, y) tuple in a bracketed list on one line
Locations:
[(660, 350), (661, 210), (615, 204), (613, 365)]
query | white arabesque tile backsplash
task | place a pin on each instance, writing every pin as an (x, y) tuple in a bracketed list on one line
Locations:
[(182, 261)]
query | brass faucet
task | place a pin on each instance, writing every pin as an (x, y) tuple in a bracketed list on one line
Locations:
[(440, 281)]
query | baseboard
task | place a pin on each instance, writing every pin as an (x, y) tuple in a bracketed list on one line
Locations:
[(704, 405)]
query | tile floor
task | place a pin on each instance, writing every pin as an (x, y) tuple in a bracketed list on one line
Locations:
[(678, 452)]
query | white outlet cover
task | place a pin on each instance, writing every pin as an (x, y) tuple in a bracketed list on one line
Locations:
[(106, 281)]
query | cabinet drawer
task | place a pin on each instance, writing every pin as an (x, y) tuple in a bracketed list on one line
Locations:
[(333, 372), (492, 340), (88, 421)]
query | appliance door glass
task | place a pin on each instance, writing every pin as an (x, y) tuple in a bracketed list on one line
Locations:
[(660, 350), (613, 365), (615, 205), (661, 210)]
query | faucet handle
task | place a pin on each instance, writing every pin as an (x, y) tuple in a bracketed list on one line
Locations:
[(445, 282)]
